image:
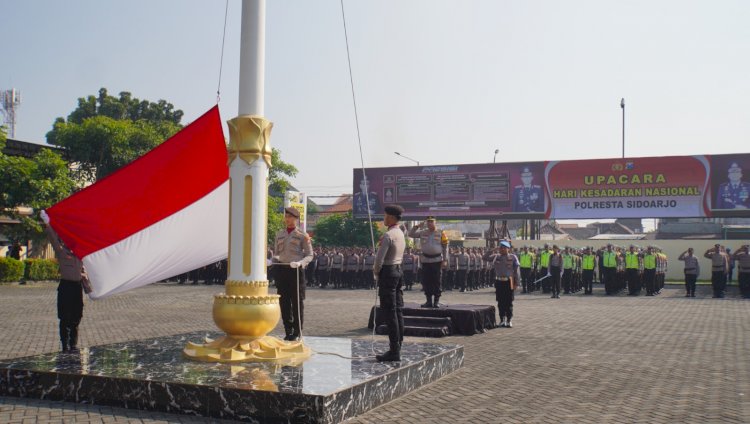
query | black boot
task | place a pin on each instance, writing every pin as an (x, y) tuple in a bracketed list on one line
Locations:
[(73, 338), (394, 354), (436, 303), (64, 336), (428, 304)]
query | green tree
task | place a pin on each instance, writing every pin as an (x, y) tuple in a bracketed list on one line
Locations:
[(105, 133), (344, 230), (36, 183), (277, 185)]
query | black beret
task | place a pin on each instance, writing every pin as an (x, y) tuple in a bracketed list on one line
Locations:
[(394, 210), (292, 211)]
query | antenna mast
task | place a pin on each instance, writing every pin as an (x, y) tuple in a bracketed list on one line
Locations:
[(10, 100)]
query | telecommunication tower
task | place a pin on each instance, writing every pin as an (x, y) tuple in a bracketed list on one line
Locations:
[(10, 100)]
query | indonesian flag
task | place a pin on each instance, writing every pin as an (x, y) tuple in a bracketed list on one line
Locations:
[(163, 214)]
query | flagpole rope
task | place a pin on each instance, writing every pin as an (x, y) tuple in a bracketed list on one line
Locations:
[(364, 175), (221, 58)]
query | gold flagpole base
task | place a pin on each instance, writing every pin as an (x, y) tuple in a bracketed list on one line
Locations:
[(233, 349)]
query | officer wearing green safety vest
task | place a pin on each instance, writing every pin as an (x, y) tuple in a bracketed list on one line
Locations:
[(609, 257), (525, 260), (567, 258), (588, 263), (632, 268), (543, 266), (649, 271)]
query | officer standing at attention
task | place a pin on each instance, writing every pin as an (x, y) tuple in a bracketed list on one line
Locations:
[(610, 270), (742, 257), (649, 271), (555, 271), (692, 271), (588, 263), (632, 271), (434, 257), (293, 252), (387, 268), (719, 269), (507, 275)]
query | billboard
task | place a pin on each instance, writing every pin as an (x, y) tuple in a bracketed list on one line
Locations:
[(459, 191), (647, 187)]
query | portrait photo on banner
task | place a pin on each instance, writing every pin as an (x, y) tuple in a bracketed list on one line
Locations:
[(730, 185)]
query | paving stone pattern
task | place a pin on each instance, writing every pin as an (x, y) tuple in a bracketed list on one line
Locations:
[(579, 359)]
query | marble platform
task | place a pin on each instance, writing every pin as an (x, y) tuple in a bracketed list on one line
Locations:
[(152, 375)]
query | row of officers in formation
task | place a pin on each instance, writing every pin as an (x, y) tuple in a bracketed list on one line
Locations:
[(633, 269)]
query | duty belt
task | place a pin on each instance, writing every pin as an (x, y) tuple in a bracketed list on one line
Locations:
[(437, 255), (503, 279)]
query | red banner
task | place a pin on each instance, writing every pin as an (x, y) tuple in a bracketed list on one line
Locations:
[(650, 187)]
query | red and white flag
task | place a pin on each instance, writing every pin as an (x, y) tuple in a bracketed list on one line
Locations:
[(163, 214)]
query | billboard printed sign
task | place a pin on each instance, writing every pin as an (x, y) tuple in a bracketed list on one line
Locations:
[(648, 187)]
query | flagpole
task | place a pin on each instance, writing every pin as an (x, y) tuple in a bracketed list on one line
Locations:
[(247, 313), (251, 132)]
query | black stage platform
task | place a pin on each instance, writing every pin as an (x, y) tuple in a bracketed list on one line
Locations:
[(152, 375), (443, 321)]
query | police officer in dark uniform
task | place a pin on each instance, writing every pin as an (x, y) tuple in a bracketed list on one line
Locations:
[(293, 250), (364, 198), (528, 197), (387, 267), (734, 194)]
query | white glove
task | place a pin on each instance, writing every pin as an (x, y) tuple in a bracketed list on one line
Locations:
[(294, 264)]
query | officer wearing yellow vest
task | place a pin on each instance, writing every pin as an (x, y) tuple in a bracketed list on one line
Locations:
[(543, 267), (609, 259), (567, 278), (649, 271), (525, 261), (632, 271), (588, 263)]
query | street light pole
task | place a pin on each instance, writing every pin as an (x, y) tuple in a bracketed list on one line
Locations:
[(494, 158), (407, 157), (622, 106)]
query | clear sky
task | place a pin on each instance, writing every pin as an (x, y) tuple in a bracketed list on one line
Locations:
[(439, 81)]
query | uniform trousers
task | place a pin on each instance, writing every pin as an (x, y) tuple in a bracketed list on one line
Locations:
[(322, 275), (718, 281), (69, 312), (610, 277), (588, 280), (461, 279), (292, 297), (556, 284), (431, 278), (567, 279), (408, 279), (525, 272), (504, 298), (391, 295), (690, 283), (744, 280), (649, 277), (634, 282)]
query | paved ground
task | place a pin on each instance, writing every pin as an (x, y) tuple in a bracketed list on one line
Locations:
[(578, 359)]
